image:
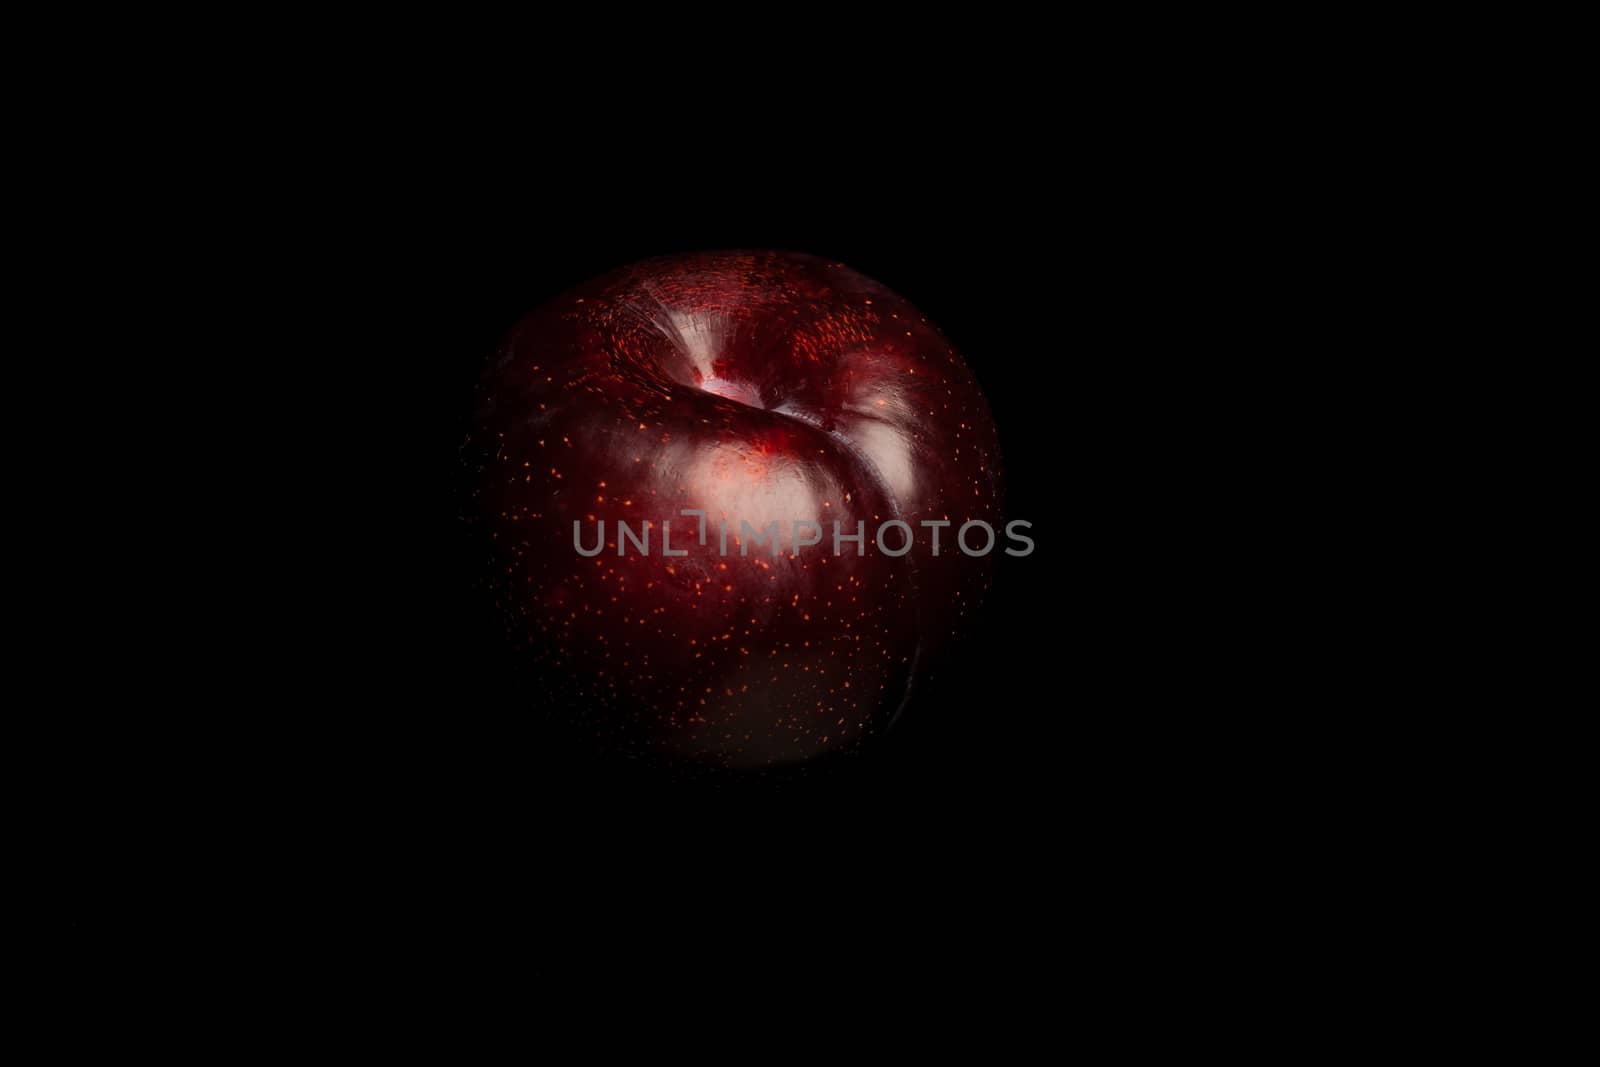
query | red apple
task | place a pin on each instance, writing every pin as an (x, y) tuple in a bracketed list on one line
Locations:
[(754, 387)]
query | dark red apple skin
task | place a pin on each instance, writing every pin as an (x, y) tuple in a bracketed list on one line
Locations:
[(755, 385)]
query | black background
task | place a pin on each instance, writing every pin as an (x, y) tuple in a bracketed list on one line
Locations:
[(364, 770), (1128, 700), (1093, 706)]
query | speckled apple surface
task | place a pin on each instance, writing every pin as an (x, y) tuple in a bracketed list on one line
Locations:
[(761, 386)]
